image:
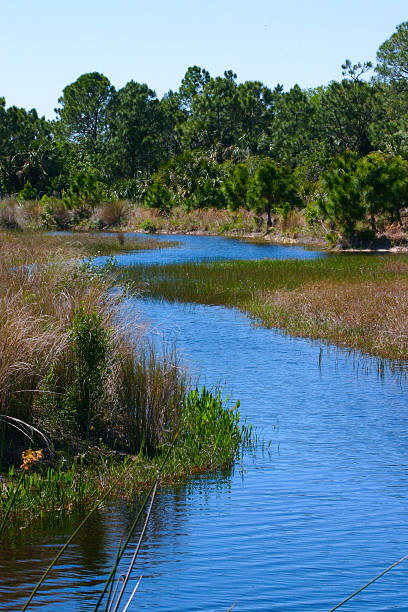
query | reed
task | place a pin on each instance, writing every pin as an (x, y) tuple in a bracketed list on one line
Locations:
[(356, 301), (73, 369), (210, 436)]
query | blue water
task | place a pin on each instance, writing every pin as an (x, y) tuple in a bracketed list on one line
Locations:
[(297, 525), (202, 248)]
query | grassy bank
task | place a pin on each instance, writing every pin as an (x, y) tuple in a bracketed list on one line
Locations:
[(88, 391), (209, 440), (132, 217), (356, 301)]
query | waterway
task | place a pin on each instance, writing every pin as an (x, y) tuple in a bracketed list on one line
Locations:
[(318, 508)]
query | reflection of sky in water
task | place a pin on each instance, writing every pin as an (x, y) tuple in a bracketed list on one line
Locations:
[(199, 248), (297, 526)]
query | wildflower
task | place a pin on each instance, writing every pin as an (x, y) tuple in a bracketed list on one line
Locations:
[(30, 458)]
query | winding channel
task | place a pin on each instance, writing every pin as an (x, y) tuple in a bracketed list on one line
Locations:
[(300, 523)]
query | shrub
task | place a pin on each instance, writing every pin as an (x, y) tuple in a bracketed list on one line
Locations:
[(28, 192), (54, 214), (148, 226), (158, 196), (85, 191), (75, 387)]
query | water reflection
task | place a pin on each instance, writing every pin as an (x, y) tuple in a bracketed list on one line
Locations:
[(77, 580)]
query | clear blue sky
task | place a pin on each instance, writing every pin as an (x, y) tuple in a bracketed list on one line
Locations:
[(47, 44)]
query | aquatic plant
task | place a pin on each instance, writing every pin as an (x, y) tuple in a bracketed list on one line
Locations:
[(351, 300)]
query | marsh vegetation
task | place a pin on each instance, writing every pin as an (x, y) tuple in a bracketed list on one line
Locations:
[(87, 389), (358, 301)]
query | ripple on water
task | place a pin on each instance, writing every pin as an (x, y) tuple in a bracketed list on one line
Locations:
[(296, 526)]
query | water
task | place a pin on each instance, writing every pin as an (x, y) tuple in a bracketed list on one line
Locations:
[(296, 526), (203, 248)]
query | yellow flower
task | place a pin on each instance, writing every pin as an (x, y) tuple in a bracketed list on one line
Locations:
[(30, 458)]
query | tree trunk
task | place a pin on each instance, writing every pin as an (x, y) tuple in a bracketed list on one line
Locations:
[(269, 222)]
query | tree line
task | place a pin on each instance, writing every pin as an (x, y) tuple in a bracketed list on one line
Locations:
[(340, 150)]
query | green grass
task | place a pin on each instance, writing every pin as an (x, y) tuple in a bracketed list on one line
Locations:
[(209, 440), (357, 301), (96, 244)]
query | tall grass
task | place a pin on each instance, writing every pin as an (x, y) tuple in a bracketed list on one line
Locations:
[(42, 286), (357, 301), (98, 390)]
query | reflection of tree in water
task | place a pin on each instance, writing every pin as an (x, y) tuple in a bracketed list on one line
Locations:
[(87, 562)]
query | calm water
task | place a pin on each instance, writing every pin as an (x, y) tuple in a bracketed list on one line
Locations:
[(296, 526), (202, 248)]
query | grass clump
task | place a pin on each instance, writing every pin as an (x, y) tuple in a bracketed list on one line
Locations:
[(358, 301), (98, 393), (209, 439)]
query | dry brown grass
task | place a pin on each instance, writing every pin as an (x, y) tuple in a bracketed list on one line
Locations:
[(111, 214), (211, 220), (41, 288), (369, 316), (39, 292), (351, 300)]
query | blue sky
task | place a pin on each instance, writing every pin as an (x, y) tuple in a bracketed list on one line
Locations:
[(47, 45)]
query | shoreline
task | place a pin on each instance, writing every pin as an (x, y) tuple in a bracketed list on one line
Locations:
[(313, 243)]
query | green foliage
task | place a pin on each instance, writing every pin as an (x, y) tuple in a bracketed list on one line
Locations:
[(383, 182), (235, 187), (272, 189), (28, 192), (213, 112), (73, 390), (191, 179), (90, 345), (49, 490), (209, 428), (312, 214), (158, 196), (346, 111), (392, 57), (342, 205), (136, 124), (84, 109), (294, 127), (148, 226), (127, 189), (85, 192)]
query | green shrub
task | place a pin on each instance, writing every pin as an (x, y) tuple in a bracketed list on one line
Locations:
[(85, 192), (72, 392), (158, 196), (332, 238), (148, 226), (28, 192)]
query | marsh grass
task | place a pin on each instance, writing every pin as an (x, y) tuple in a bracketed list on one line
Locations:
[(358, 301), (209, 439), (56, 318)]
